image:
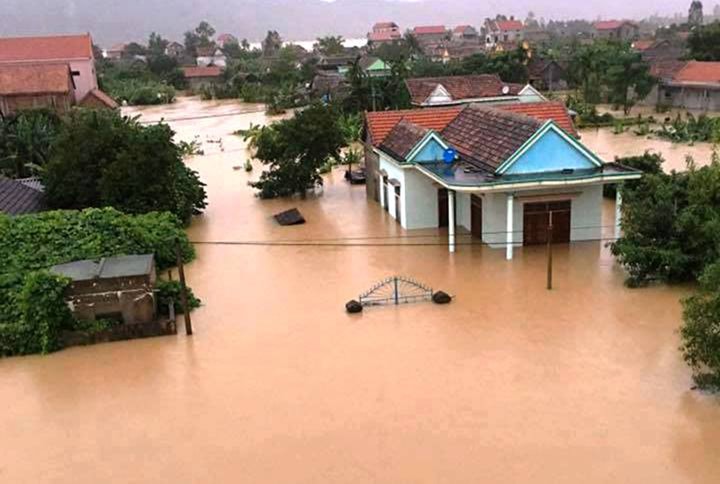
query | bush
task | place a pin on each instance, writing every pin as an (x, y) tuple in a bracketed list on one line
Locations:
[(32, 310), (700, 332), (169, 291), (137, 92)]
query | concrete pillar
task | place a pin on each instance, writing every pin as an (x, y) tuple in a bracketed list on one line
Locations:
[(509, 228), (381, 187), (618, 211), (451, 221)]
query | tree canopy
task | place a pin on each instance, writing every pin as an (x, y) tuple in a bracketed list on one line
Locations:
[(103, 159)]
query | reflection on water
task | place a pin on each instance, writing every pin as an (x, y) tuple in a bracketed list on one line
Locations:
[(510, 383)]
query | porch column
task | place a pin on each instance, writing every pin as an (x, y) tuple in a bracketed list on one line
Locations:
[(618, 211), (451, 221), (509, 228), (381, 187)]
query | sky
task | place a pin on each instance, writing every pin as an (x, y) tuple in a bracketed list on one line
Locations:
[(112, 21)]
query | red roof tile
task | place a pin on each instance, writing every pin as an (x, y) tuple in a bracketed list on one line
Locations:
[(544, 111), (509, 25), (700, 72), (610, 24), (666, 69), (210, 71), (384, 26), (19, 79), (429, 29), (384, 36), (380, 123), (60, 47)]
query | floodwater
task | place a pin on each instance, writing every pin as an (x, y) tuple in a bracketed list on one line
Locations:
[(609, 146), (510, 383)]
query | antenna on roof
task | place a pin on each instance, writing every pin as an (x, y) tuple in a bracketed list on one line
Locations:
[(506, 90)]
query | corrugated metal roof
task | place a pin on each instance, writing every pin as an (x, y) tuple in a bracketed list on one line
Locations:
[(107, 268), (16, 198)]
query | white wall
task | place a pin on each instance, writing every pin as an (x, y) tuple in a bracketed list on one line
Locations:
[(463, 210), (585, 218), (87, 80)]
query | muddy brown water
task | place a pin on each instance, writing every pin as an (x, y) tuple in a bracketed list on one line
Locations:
[(510, 383)]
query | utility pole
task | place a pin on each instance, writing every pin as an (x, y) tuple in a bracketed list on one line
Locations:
[(549, 251), (183, 289)]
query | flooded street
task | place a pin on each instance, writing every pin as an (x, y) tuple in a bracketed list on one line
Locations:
[(510, 383), (609, 145)]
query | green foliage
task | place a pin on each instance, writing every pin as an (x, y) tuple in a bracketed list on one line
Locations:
[(103, 159), (169, 291), (248, 166), (330, 45), (25, 141), (610, 71), (700, 332), (691, 129), (295, 149), (704, 42), (649, 163), (351, 126), (201, 36), (671, 225), (32, 310), (140, 93)]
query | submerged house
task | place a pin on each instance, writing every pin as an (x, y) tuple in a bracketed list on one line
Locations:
[(503, 173), (686, 84), (480, 88), (119, 288)]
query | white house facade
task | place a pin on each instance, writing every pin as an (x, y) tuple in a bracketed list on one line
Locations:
[(505, 178)]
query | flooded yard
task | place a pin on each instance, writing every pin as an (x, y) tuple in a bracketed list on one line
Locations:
[(510, 383)]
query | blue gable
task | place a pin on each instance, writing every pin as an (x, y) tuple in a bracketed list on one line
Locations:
[(431, 152), (550, 153)]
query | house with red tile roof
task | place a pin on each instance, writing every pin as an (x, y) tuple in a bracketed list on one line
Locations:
[(691, 85), (430, 33), (73, 50), (624, 30), (34, 86), (450, 90), (384, 33), (501, 31), (198, 76), (502, 174)]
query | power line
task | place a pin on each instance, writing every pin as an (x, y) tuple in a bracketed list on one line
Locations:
[(193, 118)]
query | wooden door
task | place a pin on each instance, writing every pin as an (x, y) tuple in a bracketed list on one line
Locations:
[(536, 220), (476, 216), (443, 207)]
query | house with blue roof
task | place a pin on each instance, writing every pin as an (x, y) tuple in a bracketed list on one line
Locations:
[(510, 176)]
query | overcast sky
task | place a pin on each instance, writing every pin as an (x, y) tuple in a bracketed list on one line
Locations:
[(120, 20)]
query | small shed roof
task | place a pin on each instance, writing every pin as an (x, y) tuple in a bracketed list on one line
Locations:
[(18, 198), (21, 79), (107, 267)]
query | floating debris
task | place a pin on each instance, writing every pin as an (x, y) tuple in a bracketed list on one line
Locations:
[(290, 217)]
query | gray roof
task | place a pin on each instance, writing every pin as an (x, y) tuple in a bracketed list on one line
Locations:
[(107, 268), (17, 198)]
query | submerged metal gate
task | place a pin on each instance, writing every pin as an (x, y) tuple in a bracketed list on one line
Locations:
[(396, 290)]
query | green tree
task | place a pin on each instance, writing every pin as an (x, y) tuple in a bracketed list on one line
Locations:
[(700, 331), (103, 159), (295, 149), (704, 42), (200, 37), (25, 142), (628, 79), (330, 45), (157, 44), (271, 44)]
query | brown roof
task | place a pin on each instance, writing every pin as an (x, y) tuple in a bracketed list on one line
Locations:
[(544, 111), (210, 71), (384, 36), (17, 198), (460, 87), (486, 136), (385, 25), (58, 47), (641, 45), (207, 51), (99, 96), (380, 123), (699, 72), (403, 138), (19, 79)]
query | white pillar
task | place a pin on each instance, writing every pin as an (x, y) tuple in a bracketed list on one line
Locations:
[(509, 234), (451, 221), (381, 187), (618, 211)]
